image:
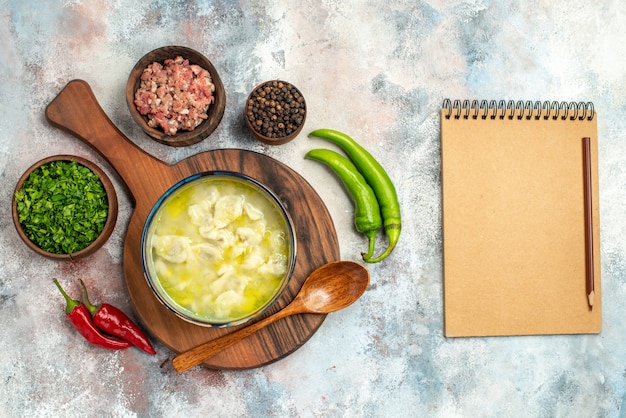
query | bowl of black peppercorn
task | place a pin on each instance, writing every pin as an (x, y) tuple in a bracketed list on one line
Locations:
[(275, 112)]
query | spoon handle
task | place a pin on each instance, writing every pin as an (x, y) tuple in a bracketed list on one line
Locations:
[(190, 358)]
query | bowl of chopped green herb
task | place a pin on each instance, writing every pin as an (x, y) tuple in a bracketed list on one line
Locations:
[(64, 207)]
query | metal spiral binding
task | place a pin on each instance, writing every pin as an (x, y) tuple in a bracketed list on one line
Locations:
[(518, 109)]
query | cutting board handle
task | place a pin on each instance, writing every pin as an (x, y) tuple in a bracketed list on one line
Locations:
[(77, 111)]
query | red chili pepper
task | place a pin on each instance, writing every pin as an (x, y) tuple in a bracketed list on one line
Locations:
[(115, 322), (80, 317)]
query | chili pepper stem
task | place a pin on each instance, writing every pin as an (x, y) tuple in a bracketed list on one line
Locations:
[(90, 307), (70, 303), (392, 232), (371, 236)]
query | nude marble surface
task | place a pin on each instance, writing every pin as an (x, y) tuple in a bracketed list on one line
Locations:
[(379, 71)]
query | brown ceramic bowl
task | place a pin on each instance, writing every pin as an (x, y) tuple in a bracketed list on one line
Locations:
[(263, 99), (215, 111), (108, 226)]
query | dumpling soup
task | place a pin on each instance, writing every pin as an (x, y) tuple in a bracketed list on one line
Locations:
[(218, 249)]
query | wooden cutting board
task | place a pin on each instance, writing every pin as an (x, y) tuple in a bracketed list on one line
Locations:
[(77, 111)]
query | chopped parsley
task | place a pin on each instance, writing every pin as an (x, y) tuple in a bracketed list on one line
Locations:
[(62, 207)]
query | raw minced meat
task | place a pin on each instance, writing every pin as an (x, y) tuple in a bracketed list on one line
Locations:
[(174, 95)]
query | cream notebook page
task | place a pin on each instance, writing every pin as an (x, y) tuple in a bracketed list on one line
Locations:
[(514, 223)]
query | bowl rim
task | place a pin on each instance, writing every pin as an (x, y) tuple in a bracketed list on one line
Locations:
[(265, 139), (215, 111), (174, 308), (109, 225)]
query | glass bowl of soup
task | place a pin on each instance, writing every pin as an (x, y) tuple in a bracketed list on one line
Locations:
[(218, 249)]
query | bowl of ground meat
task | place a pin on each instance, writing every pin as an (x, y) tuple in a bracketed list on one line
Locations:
[(175, 94)]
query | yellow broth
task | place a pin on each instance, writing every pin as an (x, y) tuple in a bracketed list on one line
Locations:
[(219, 249)]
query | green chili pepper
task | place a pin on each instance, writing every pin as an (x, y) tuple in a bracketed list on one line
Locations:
[(378, 179), (367, 212)]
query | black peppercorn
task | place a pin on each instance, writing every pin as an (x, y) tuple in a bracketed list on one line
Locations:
[(275, 109)]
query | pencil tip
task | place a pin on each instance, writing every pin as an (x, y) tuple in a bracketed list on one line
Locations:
[(590, 298)]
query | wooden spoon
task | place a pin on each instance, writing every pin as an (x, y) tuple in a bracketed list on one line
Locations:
[(328, 288)]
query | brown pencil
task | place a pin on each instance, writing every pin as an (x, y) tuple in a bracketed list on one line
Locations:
[(589, 267)]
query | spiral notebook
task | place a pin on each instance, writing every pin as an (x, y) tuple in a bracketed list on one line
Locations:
[(521, 228)]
